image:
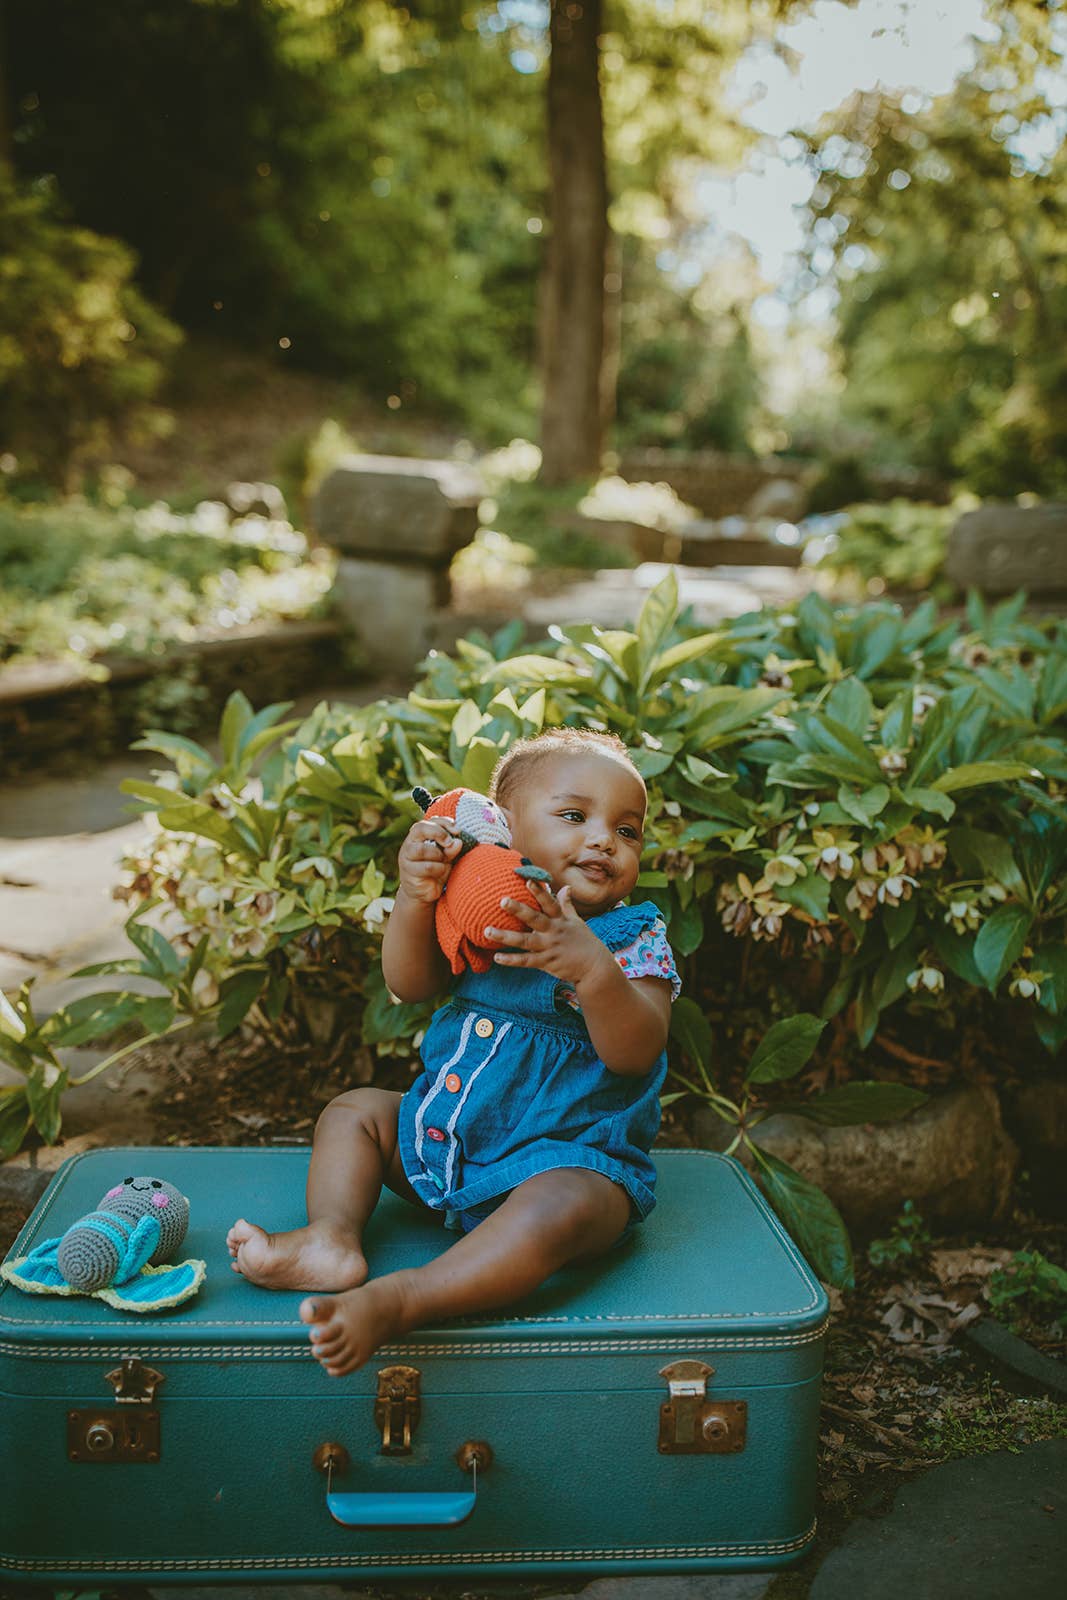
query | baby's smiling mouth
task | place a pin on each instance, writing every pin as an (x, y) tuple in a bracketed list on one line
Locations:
[(599, 871)]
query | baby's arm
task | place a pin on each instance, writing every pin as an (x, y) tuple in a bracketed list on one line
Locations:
[(627, 1018), (412, 963)]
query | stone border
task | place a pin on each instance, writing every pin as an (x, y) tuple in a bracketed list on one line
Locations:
[(48, 709)]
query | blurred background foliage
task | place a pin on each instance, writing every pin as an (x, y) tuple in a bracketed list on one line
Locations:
[(359, 190)]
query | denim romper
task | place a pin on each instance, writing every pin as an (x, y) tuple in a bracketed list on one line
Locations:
[(512, 1086)]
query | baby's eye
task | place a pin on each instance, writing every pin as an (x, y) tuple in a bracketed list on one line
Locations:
[(578, 816), (630, 833)]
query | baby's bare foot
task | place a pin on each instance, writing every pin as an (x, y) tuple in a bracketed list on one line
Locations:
[(346, 1331), (321, 1256)]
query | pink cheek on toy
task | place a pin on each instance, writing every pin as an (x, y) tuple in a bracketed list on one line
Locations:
[(160, 1200), (111, 1193)]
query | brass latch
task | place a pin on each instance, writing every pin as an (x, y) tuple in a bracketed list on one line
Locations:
[(689, 1423), (127, 1431), (397, 1408)]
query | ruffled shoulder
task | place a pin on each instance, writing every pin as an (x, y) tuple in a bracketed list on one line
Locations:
[(621, 925)]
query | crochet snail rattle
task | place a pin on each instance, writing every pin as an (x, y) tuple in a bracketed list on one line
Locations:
[(118, 1253), (486, 869)]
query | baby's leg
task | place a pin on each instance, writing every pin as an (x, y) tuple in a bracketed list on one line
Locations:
[(354, 1151), (567, 1214)]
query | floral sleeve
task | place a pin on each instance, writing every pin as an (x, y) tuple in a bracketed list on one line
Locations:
[(647, 956), (650, 956)]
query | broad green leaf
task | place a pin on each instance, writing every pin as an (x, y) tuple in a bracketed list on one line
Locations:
[(1052, 1031), (532, 710), (14, 1119), (238, 996), (261, 729), (175, 746), (785, 1048), (810, 894), (533, 670), (735, 708), (850, 703), (235, 718), (956, 951), (691, 1032), (654, 623), (161, 956), (864, 1100), (678, 654), (999, 942), (981, 854), (478, 764), (831, 737), (863, 808), (1052, 958), (446, 775), (888, 981), (934, 800), (687, 929), (811, 1217), (978, 772), (896, 723), (466, 723), (44, 1086), (1052, 688), (877, 645), (898, 921), (89, 1017), (938, 731)]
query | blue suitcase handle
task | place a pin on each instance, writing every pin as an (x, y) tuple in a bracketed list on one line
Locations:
[(401, 1510)]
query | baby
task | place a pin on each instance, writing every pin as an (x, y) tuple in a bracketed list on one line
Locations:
[(531, 1123)]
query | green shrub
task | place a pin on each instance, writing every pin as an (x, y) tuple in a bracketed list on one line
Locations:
[(870, 800), (1031, 1288), (899, 545), (908, 1241), (80, 581), (81, 351)]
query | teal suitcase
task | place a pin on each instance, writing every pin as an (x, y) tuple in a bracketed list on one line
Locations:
[(656, 1412)]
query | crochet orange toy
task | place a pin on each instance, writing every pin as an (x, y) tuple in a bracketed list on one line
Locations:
[(487, 869)]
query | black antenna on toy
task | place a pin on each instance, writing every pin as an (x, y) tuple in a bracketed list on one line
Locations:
[(422, 797)]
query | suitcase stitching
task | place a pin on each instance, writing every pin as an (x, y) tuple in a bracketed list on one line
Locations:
[(446, 1558)]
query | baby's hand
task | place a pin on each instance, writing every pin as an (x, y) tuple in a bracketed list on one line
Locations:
[(426, 858), (554, 939)]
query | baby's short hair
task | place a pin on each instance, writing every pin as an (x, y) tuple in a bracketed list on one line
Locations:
[(525, 754)]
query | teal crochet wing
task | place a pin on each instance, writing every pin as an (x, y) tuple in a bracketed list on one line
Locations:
[(149, 1289)]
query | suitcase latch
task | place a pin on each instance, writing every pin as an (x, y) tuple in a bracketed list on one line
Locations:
[(397, 1408), (689, 1423), (127, 1431)]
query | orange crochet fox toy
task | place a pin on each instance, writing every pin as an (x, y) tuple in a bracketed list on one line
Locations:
[(487, 869)]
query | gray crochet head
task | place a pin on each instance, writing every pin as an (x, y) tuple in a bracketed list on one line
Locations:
[(94, 1250)]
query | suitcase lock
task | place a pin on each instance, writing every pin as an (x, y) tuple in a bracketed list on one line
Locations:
[(396, 1408), (689, 1423), (127, 1431)]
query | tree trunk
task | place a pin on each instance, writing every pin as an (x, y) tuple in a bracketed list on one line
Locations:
[(573, 324)]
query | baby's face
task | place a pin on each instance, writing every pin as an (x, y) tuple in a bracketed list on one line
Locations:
[(581, 817)]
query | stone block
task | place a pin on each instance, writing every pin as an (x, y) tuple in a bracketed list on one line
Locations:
[(397, 509), (951, 1157), (391, 608), (1001, 548)]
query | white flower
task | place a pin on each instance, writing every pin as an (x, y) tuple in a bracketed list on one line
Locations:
[(205, 989), (929, 978), (375, 914), (1025, 987)]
